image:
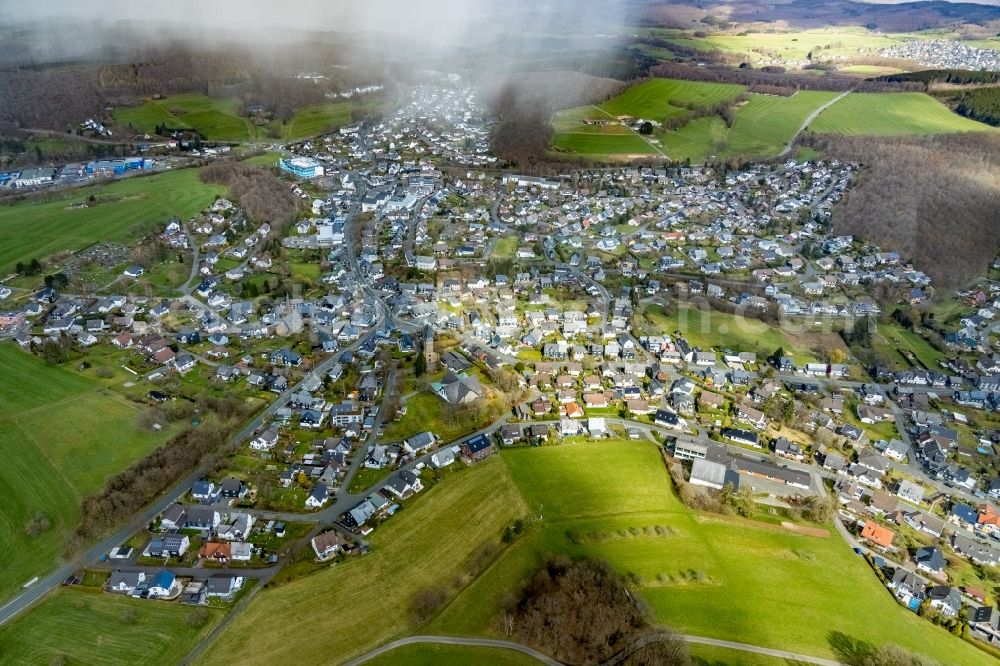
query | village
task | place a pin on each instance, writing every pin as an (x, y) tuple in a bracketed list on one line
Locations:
[(430, 309)]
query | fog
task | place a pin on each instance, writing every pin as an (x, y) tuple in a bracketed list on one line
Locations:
[(396, 28)]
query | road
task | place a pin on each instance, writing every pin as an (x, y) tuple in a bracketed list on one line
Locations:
[(49, 582), (454, 640), (811, 117), (617, 659)]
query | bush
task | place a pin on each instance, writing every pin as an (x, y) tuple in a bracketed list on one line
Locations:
[(37, 525), (578, 612), (426, 602), (197, 618)]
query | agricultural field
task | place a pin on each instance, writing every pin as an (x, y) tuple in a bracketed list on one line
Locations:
[(356, 605), (594, 131), (61, 436), (890, 114), (795, 46), (702, 574), (219, 120), (868, 70), (697, 141), (87, 627), (766, 122), (121, 211)]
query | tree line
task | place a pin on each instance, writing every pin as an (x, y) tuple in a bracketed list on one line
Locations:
[(127, 492), (982, 104), (778, 76)]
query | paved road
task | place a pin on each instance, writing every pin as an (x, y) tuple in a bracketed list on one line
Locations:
[(545, 659), (811, 117), (454, 640)]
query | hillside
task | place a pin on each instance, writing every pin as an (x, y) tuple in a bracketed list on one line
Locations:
[(701, 574), (706, 121)]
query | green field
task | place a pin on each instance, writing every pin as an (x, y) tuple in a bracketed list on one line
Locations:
[(216, 118), (122, 210), (84, 627), (603, 144), (766, 122), (891, 339), (889, 114), (427, 411), (709, 329), (793, 45), (652, 100), (61, 437), (705, 575), (697, 140), (354, 606), (219, 120)]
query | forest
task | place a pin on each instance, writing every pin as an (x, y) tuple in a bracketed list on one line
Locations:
[(934, 199), (262, 196), (982, 104), (59, 97), (955, 76)]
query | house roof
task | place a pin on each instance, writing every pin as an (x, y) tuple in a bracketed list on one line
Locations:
[(877, 534)]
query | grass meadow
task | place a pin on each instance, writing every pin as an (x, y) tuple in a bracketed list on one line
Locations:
[(352, 607), (701, 574), (121, 211), (767, 122), (61, 437), (219, 120), (89, 627), (891, 114)]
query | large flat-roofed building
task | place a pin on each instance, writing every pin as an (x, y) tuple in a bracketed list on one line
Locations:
[(302, 167)]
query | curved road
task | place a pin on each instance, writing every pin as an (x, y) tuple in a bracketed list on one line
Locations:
[(544, 659)]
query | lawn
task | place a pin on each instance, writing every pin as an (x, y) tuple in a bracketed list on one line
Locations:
[(505, 247), (701, 574), (314, 120), (891, 340), (451, 655), (61, 437), (88, 628), (890, 114), (427, 411), (364, 602), (708, 329), (122, 210)]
